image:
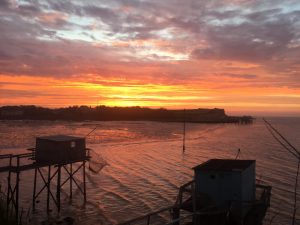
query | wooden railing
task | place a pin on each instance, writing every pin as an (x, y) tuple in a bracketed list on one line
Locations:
[(147, 217), (265, 197), (189, 189), (186, 188)]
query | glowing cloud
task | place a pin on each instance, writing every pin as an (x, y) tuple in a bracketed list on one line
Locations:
[(239, 55)]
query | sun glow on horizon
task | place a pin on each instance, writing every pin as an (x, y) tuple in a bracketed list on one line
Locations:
[(239, 55), (51, 92)]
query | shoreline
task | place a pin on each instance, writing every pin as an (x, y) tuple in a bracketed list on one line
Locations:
[(103, 113)]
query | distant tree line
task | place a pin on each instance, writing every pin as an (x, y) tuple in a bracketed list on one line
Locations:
[(104, 113)]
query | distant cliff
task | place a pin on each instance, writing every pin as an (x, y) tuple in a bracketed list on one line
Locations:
[(103, 113)]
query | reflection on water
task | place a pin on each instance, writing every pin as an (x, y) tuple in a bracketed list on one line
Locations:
[(146, 164)]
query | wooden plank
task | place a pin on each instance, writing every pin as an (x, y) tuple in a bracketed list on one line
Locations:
[(37, 165), (146, 216)]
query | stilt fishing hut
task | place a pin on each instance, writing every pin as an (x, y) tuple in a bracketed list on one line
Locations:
[(55, 154), (223, 192), (226, 184), (59, 148)]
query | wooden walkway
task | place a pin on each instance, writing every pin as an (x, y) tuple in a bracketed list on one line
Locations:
[(15, 164)]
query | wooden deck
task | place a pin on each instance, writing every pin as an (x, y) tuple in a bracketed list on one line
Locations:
[(33, 165)]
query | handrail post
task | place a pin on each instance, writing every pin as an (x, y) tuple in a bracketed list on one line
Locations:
[(84, 182), (17, 190), (148, 219), (176, 214), (8, 186), (180, 196)]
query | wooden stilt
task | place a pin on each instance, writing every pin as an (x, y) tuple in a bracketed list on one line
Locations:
[(84, 185), (48, 187), (58, 187), (194, 199), (8, 187), (34, 190), (17, 190), (71, 178), (15, 166), (176, 214)]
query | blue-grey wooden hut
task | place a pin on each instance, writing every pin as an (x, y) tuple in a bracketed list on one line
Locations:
[(227, 183)]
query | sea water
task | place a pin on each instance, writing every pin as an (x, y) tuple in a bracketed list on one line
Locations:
[(146, 165)]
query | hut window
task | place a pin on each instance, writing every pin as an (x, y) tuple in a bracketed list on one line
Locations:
[(73, 144)]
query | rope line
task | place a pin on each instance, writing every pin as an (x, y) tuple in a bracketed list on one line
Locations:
[(295, 153), (295, 196), (280, 142), (286, 141)]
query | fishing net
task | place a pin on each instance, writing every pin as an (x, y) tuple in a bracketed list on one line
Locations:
[(97, 162)]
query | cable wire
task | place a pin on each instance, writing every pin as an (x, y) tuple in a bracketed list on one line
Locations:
[(296, 153), (281, 143)]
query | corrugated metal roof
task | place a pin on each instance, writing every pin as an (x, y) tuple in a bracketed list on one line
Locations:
[(224, 165)]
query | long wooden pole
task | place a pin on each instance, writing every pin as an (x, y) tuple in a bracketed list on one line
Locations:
[(295, 152), (295, 193), (283, 138), (183, 141)]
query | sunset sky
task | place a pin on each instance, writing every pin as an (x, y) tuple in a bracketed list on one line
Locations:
[(240, 55)]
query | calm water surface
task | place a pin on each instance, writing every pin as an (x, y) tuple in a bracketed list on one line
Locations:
[(146, 165)]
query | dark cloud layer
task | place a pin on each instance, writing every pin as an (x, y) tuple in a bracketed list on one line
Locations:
[(61, 38), (262, 37)]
